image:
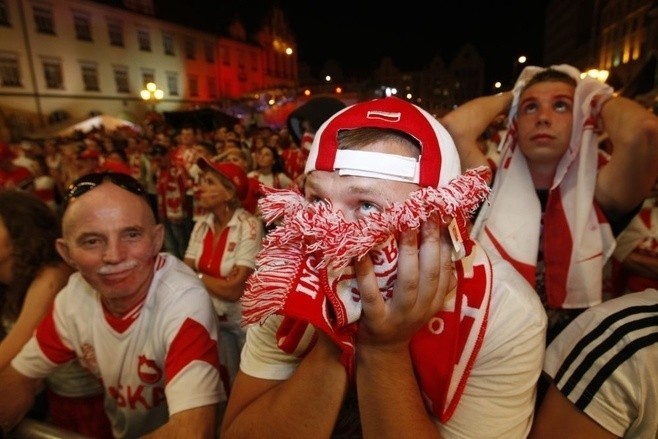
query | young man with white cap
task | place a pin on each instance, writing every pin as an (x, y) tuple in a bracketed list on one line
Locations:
[(370, 286)]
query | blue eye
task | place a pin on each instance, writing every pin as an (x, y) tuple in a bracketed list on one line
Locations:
[(367, 208)]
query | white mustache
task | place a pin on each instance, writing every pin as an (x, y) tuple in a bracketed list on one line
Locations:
[(117, 268)]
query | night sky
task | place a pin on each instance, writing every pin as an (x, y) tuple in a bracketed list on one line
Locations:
[(359, 33)]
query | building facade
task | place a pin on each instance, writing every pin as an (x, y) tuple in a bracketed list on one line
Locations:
[(69, 59)]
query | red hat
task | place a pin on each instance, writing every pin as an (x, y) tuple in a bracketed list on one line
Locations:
[(229, 171), (6, 152), (438, 162), (89, 154)]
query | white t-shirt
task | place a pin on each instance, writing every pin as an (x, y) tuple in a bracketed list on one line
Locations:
[(606, 361), (164, 362), (240, 242), (499, 396)]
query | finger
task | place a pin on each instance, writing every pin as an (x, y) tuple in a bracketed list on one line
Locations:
[(406, 286), (371, 299), (440, 251), (429, 261)]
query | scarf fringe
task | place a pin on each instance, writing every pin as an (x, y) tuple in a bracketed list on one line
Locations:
[(307, 229)]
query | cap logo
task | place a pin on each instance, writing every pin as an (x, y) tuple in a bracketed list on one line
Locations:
[(384, 115)]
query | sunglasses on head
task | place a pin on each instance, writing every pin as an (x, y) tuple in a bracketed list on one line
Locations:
[(87, 182)]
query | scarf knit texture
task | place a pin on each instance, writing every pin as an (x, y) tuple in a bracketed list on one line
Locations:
[(304, 273)]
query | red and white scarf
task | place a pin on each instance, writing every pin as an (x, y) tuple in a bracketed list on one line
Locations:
[(577, 239), (305, 274)]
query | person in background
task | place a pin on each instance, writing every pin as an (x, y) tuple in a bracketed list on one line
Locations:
[(155, 155), (558, 201), (222, 250), (31, 275), (602, 369), (634, 263), (138, 320), (242, 158), (45, 185), (371, 312), (13, 176), (269, 168), (181, 205)]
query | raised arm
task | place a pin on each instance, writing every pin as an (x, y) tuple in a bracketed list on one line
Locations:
[(38, 300), (631, 173), (468, 121)]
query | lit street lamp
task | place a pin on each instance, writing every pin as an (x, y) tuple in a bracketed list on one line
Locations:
[(151, 94), (601, 75)]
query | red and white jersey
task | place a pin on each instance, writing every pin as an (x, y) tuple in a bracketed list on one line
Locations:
[(238, 244), (158, 360)]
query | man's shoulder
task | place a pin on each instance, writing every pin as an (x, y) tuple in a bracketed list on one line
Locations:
[(175, 282), (516, 310)]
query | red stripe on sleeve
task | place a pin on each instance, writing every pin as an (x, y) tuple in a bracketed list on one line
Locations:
[(193, 342), (50, 342)]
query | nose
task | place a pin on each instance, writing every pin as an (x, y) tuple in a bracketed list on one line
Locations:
[(543, 118), (113, 252)]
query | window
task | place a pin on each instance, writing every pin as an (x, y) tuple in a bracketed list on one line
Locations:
[(52, 71), (143, 6), (144, 39), (115, 31), (209, 49), (10, 74), (148, 75), (4, 14), (254, 61), (194, 86), (43, 18), (212, 87), (168, 42), (189, 48), (121, 79), (82, 26), (90, 76), (172, 83), (226, 59)]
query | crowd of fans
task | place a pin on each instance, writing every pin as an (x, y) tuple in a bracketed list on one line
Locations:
[(203, 189)]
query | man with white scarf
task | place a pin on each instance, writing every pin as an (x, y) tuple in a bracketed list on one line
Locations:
[(557, 200)]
